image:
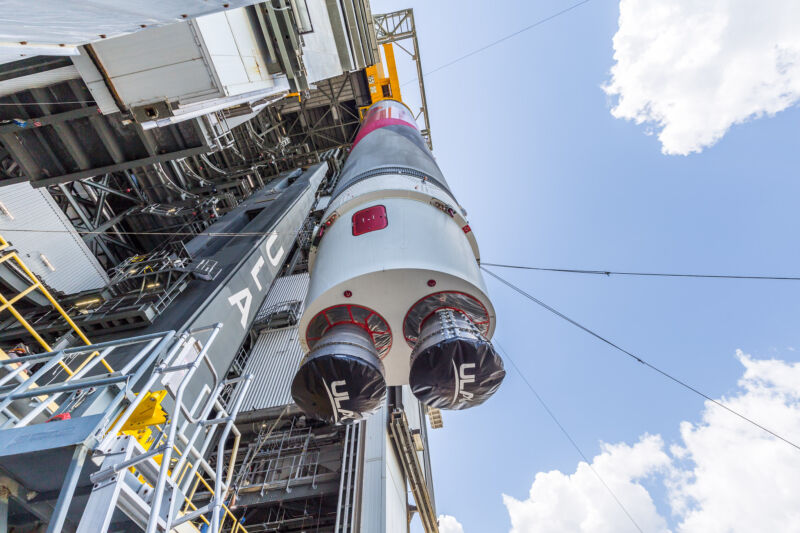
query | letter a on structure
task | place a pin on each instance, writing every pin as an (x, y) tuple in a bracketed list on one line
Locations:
[(244, 308)]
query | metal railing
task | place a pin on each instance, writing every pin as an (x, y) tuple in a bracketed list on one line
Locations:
[(152, 481), (14, 260), (279, 315), (348, 506)]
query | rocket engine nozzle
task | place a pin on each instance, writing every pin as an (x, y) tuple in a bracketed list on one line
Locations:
[(341, 380), (453, 366)]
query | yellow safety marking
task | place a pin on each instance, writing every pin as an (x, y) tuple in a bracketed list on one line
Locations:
[(148, 413), (6, 304), (381, 85)]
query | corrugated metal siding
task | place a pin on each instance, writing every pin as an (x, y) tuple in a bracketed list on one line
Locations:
[(276, 354), (286, 289), (76, 268), (40, 79), (273, 361)]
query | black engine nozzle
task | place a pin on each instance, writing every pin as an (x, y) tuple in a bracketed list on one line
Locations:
[(453, 366), (341, 379)]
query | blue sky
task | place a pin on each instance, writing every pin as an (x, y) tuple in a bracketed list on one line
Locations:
[(525, 135)]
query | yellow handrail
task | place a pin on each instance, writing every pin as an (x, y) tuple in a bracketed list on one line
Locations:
[(189, 503), (6, 304)]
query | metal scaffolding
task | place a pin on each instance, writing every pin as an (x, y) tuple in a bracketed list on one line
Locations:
[(149, 440), (398, 27)]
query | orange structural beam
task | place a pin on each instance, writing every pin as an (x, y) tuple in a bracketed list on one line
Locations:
[(384, 84)]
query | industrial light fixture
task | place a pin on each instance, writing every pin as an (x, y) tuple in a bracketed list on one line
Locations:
[(90, 301)]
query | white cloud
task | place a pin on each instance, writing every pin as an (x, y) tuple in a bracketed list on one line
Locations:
[(724, 476), (579, 502), (739, 478), (449, 524), (691, 69)]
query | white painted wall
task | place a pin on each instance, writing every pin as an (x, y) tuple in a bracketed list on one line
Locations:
[(396, 494), (319, 51), (232, 47), (164, 63), (373, 489)]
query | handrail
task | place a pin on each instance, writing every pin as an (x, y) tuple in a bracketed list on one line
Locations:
[(37, 284), (158, 492), (155, 356)]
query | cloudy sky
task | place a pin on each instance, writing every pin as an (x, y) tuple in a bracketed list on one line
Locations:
[(638, 135)]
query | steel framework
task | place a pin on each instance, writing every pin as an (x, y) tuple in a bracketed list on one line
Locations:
[(398, 27), (152, 477)]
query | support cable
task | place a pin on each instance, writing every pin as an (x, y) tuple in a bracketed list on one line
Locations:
[(638, 359), (648, 274), (566, 434), (502, 39), (606, 273)]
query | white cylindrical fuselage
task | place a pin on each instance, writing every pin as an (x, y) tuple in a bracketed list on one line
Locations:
[(394, 248)]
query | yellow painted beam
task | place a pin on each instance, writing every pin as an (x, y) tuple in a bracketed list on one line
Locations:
[(391, 67)]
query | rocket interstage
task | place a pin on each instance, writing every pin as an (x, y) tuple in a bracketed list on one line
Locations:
[(396, 294)]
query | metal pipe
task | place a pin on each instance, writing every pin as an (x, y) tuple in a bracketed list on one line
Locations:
[(25, 385), (67, 489), (96, 356), (4, 494), (341, 480), (195, 406), (96, 346), (200, 454), (8, 377), (206, 443), (350, 454), (142, 351), (28, 327), (358, 481), (108, 472), (219, 488), (237, 436), (213, 400), (214, 374), (67, 386), (197, 430), (85, 367)]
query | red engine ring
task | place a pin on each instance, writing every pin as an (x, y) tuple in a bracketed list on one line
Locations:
[(377, 328)]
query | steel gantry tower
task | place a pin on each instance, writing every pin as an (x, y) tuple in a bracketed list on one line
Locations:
[(163, 179)]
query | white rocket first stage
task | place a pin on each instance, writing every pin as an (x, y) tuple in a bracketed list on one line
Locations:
[(396, 295)]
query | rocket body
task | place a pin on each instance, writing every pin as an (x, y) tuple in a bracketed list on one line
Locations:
[(398, 261)]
